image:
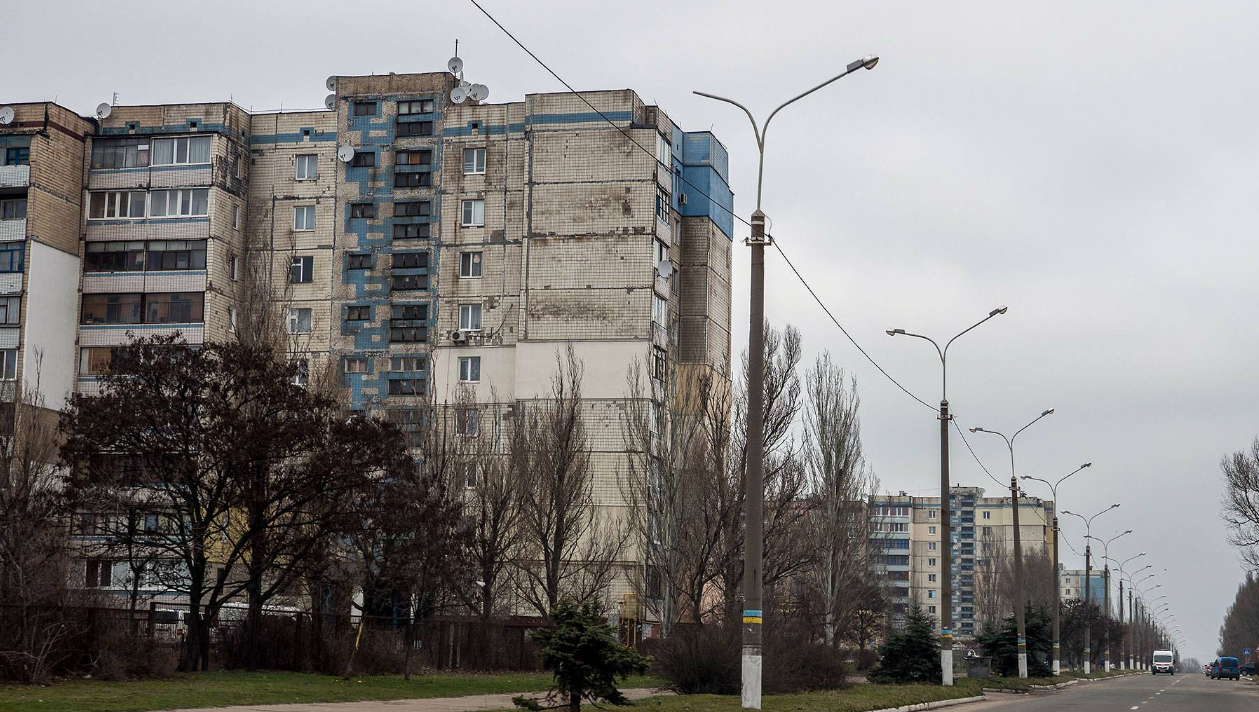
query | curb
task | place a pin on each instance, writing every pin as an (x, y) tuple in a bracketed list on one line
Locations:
[(932, 705)]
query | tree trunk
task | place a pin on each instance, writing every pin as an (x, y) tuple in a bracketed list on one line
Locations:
[(257, 567), (574, 702)]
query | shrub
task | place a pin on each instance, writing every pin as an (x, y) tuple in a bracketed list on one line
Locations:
[(705, 659), (910, 655), (135, 657)]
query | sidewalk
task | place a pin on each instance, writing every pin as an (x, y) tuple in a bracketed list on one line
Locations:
[(432, 704)]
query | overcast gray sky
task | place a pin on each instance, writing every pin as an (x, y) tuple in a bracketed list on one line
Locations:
[(1090, 165)]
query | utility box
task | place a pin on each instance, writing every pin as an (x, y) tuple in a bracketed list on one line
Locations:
[(979, 668)]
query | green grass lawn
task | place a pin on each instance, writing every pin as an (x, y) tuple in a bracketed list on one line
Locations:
[(218, 689)]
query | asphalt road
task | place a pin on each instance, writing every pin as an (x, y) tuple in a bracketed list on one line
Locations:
[(1147, 693)]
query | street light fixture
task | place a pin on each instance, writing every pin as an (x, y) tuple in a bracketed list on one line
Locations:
[(755, 492), (1053, 487), (1088, 581), (1106, 597), (946, 508), (1125, 656), (1019, 614)]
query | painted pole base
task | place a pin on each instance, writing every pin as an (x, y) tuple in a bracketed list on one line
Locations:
[(1022, 666), (1057, 667), (946, 667), (751, 693), (1087, 667)]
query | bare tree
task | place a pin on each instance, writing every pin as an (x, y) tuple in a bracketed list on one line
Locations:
[(570, 545), (1241, 502)]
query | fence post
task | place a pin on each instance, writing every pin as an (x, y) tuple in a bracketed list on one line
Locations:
[(297, 643), (151, 625)]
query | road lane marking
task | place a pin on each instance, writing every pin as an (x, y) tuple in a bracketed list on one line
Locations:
[(1136, 707)]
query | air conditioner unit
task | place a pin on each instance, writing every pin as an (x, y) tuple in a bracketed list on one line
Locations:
[(459, 336)]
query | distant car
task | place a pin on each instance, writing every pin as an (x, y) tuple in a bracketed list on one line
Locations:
[(1225, 668), (1247, 668), (1206, 669)]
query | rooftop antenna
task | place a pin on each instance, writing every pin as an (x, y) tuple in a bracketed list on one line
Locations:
[(465, 90), (114, 102)]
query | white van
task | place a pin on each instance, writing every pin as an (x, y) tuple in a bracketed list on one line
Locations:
[(1163, 662)]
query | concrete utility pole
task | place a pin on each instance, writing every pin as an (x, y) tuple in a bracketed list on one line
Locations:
[(1125, 658), (946, 505), (1053, 488), (755, 476), (1106, 598), (1088, 579), (1020, 616)]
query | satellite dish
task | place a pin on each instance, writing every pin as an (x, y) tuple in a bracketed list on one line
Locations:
[(103, 110), (480, 92), (459, 95), (331, 83), (665, 269), (345, 152), (6, 114), (455, 65), (330, 102)]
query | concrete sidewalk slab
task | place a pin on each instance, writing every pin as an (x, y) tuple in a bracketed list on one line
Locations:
[(471, 703)]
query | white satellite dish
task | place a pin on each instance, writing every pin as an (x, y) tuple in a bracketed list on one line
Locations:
[(665, 269), (455, 65), (480, 92), (345, 152), (6, 114), (331, 83), (103, 110), (459, 95), (330, 102)]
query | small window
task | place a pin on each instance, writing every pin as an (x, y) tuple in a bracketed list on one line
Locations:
[(470, 317), (931, 578), (411, 209), (469, 369), (415, 106), (8, 364), (415, 128), (354, 364), (412, 180), (659, 310), (301, 269), (931, 593), (659, 363), (931, 610), (307, 167), (364, 108), (412, 231), (358, 312), (410, 260), (235, 217), (470, 265), (931, 530), (473, 161), (20, 156), (406, 386), (301, 372), (304, 218), (413, 158), (409, 312), (231, 320), (987, 515), (406, 364), (362, 210), (14, 209), (233, 267), (469, 475), (473, 213), (662, 204), (468, 422), (12, 257), (408, 282), (358, 261), (365, 159), (10, 310), (931, 546), (299, 321)]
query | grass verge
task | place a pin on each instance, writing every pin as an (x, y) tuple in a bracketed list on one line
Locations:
[(221, 689)]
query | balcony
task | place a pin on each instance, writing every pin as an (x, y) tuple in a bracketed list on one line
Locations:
[(12, 230), (15, 176)]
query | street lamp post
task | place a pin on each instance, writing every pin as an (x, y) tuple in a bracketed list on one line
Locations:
[(1053, 487), (1125, 658), (754, 511), (1106, 599), (1020, 617), (1088, 578), (946, 509)]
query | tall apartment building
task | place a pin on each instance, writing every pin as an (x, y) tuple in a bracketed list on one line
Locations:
[(419, 250), (1071, 585)]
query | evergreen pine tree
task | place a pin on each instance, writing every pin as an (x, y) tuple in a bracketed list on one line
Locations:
[(911, 655)]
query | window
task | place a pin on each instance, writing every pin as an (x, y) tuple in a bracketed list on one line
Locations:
[(358, 261), (467, 422), (99, 573), (14, 209), (410, 260), (186, 202), (175, 255), (415, 128), (8, 364), (301, 372), (304, 218), (120, 153), (406, 364), (931, 562), (116, 204), (358, 312), (469, 369), (354, 364), (365, 159), (931, 513), (415, 106), (413, 158), (301, 269), (113, 257), (233, 265), (235, 217), (307, 167), (931, 610), (931, 530), (469, 475), (662, 204), (94, 360), (231, 320), (470, 265), (470, 317), (406, 386), (987, 515), (10, 310), (299, 321), (659, 363), (362, 210), (409, 312), (473, 213), (406, 334), (12, 256), (411, 231), (473, 161), (112, 308), (659, 310), (662, 252), (17, 156), (408, 282), (414, 208), (173, 307), (364, 108), (931, 578), (412, 180), (181, 151)]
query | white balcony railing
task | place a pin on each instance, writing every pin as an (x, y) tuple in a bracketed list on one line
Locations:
[(12, 230), (15, 176)]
